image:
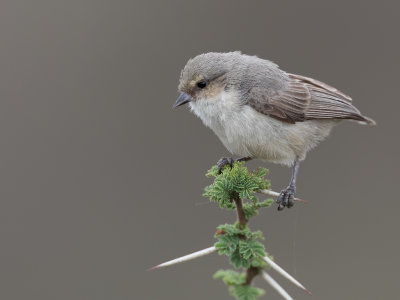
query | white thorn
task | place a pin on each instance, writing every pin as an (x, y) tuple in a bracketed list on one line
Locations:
[(186, 258), (269, 193), (276, 286), (285, 274), (276, 194)]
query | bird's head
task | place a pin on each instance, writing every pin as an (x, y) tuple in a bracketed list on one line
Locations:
[(205, 76)]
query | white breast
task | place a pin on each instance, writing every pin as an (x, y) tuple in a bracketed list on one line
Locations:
[(244, 131)]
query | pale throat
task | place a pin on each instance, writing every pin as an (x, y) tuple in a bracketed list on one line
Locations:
[(218, 108)]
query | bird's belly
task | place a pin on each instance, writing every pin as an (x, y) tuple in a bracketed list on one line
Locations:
[(263, 138), (246, 132)]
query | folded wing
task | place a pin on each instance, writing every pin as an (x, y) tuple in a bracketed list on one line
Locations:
[(305, 99)]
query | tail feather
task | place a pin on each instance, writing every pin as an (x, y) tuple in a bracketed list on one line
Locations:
[(366, 121)]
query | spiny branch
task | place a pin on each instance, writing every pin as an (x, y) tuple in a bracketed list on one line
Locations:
[(251, 272), (240, 212), (249, 277), (228, 188)]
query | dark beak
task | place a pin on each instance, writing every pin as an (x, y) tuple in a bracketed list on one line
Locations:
[(182, 99)]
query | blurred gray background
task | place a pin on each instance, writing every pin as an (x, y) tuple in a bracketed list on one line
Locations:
[(101, 179)]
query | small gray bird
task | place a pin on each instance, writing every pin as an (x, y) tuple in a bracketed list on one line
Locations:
[(259, 111)]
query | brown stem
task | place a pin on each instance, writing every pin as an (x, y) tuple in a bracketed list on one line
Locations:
[(251, 273), (240, 212)]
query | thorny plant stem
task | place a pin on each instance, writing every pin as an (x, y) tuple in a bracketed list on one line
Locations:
[(240, 212), (252, 271)]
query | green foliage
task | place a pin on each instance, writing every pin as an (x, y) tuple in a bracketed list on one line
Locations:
[(250, 248), (236, 284), (240, 244), (251, 209), (230, 277), (238, 181), (246, 292)]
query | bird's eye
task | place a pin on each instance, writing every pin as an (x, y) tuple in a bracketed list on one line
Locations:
[(202, 84)]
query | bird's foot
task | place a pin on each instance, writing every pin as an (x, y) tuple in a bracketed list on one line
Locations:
[(224, 161), (286, 198)]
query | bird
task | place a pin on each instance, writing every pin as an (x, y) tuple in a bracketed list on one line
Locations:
[(260, 111)]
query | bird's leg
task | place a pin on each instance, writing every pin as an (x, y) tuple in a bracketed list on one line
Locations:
[(228, 161), (244, 158), (224, 161), (286, 197)]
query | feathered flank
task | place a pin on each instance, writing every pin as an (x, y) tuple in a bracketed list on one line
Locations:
[(188, 257)]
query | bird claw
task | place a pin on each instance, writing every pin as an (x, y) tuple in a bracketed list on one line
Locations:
[(286, 198), (224, 161)]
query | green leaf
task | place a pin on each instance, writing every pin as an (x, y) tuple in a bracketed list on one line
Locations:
[(250, 210), (238, 261), (229, 229), (230, 277), (258, 262), (236, 181), (250, 249), (226, 244), (240, 245), (213, 172), (257, 235), (266, 203), (246, 292)]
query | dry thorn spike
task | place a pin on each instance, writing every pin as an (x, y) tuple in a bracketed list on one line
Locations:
[(285, 274), (184, 258), (276, 286), (276, 194)]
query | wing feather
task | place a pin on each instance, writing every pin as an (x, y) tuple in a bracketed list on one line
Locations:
[(304, 99)]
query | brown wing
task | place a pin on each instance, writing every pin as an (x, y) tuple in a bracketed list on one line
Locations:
[(305, 99)]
